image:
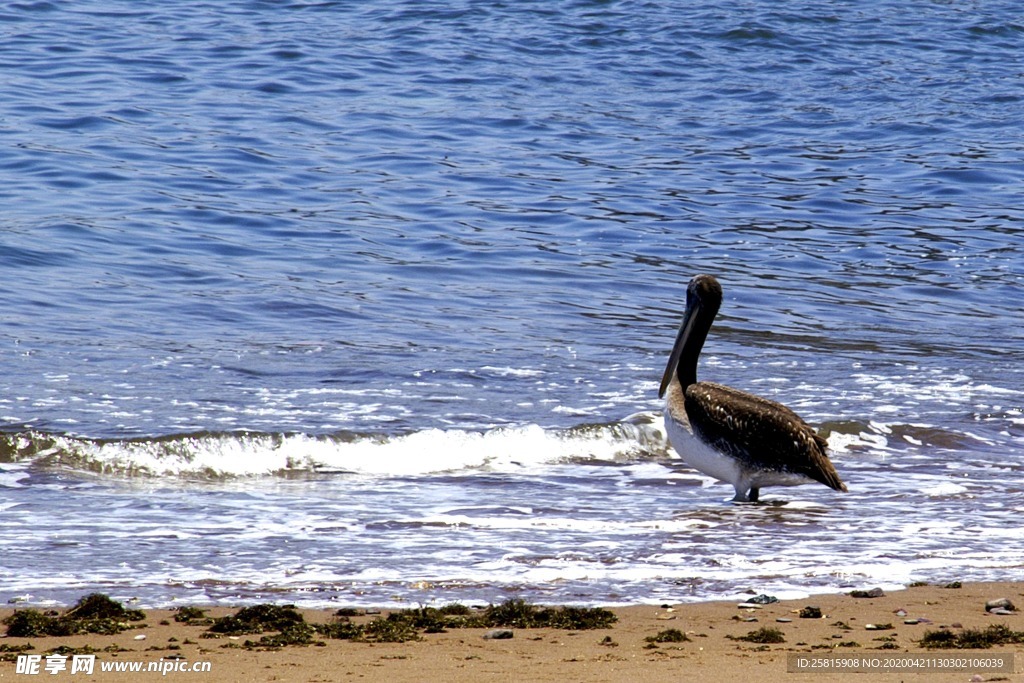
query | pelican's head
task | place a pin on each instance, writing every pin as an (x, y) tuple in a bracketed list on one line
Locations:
[(704, 291)]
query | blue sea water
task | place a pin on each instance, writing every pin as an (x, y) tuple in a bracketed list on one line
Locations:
[(366, 303)]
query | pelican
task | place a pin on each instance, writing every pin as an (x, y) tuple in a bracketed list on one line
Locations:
[(735, 437)]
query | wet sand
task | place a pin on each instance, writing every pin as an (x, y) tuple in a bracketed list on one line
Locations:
[(622, 652)]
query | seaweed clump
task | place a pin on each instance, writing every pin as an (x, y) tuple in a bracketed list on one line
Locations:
[(95, 613), (193, 616), (401, 626), (972, 638), (509, 614), (394, 628), (258, 619), (9, 653), (765, 634), (518, 613), (671, 635), (408, 624), (290, 626)]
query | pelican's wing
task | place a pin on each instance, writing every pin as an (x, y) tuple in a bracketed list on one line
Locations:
[(761, 433)]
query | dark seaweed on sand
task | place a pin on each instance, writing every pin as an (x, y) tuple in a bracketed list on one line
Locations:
[(671, 635), (192, 616), (518, 613), (509, 614), (972, 638), (765, 634), (95, 613), (290, 626), (284, 625), (9, 653), (403, 625), (257, 619)]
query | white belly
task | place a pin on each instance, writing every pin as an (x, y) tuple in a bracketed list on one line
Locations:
[(699, 455)]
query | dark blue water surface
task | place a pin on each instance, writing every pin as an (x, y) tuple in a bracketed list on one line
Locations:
[(367, 302)]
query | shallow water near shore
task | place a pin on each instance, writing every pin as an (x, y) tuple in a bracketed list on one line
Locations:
[(367, 304)]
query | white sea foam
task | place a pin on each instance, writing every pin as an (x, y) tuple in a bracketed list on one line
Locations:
[(601, 526), (512, 372), (944, 489), (844, 443), (424, 452)]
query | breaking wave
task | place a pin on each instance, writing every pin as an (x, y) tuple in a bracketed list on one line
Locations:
[(222, 455), (215, 455)]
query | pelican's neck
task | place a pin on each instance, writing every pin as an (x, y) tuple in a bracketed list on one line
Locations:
[(686, 371)]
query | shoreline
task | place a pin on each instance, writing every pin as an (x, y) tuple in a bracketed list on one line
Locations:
[(650, 643)]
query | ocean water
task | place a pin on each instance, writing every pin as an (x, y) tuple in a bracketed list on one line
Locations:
[(366, 303)]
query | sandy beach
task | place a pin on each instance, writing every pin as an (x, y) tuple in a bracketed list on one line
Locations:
[(649, 643)]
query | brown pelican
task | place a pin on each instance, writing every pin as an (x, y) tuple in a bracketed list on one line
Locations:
[(736, 437)]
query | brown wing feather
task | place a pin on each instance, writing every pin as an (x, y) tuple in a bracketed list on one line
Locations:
[(761, 433)]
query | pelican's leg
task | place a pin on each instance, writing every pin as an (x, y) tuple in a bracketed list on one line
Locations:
[(745, 493), (741, 494)]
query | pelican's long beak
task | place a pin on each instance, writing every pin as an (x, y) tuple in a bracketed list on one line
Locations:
[(685, 331)]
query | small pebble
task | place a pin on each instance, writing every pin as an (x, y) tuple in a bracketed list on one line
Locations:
[(1001, 603), (911, 621), (140, 637), (763, 599), (1000, 611), (498, 634), (900, 612), (783, 620), (748, 605), (810, 612), (872, 593)]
